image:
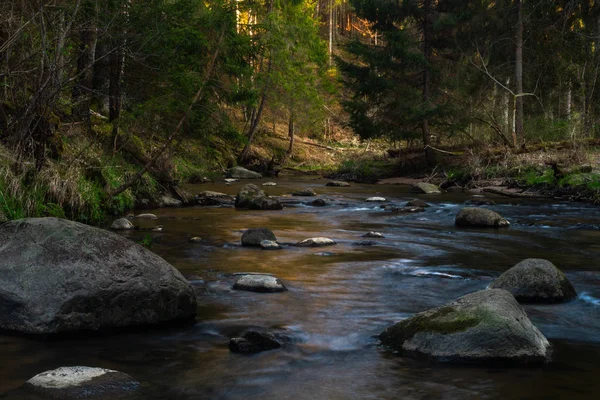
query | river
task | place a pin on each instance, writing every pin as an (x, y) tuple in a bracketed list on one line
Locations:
[(341, 297)]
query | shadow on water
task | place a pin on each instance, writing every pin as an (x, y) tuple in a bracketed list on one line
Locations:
[(340, 298)]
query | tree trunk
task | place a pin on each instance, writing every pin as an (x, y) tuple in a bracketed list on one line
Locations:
[(82, 91), (519, 136), (291, 130), (427, 25)]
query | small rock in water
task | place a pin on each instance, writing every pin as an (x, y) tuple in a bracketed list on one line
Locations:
[(231, 180), (269, 184), (122, 224), (270, 245), (242, 173), (316, 242), (195, 239), (488, 326), (169, 201), (146, 216), (319, 203), (376, 199), (480, 202), (426, 188), (338, 184), (157, 228), (536, 280), (253, 342), (480, 218), (259, 283), (405, 210), (304, 192), (373, 235), (417, 203), (367, 243), (255, 236), (81, 383)]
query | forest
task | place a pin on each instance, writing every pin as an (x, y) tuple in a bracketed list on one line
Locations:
[(106, 102)]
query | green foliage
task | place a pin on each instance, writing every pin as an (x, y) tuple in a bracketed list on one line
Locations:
[(147, 241)]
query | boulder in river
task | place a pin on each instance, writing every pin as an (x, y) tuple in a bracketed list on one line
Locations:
[(81, 383), (254, 236), (242, 173), (308, 192), (122, 224), (260, 283), (318, 203), (316, 242), (488, 326), (427, 188), (252, 197), (480, 218), (535, 280), (169, 201), (210, 198), (270, 245), (62, 276), (417, 203), (376, 199), (338, 184), (254, 342)]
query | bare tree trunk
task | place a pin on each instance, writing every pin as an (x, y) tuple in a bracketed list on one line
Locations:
[(519, 135), (427, 25), (82, 91), (331, 3), (291, 131)]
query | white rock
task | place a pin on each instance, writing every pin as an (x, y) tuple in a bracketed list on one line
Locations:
[(259, 283), (316, 242), (64, 377), (269, 184), (195, 239), (146, 216), (373, 235), (122, 224), (269, 245), (376, 199)]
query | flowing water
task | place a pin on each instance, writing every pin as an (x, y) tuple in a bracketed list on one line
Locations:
[(341, 297)]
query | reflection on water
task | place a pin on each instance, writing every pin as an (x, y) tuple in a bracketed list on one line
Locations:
[(340, 298)]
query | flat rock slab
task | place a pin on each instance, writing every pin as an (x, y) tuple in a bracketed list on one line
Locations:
[(488, 326), (536, 280), (316, 242), (269, 184), (81, 383), (338, 184), (426, 188), (242, 173), (376, 199), (259, 283), (60, 276), (146, 216)]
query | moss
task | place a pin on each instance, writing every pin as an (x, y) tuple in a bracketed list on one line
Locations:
[(445, 320)]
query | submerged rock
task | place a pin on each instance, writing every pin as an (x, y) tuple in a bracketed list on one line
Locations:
[(480, 218), (242, 173), (366, 243), (270, 245), (338, 184), (426, 188), (62, 276), (480, 202), (308, 192), (417, 203), (373, 235), (319, 203), (254, 236), (316, 242), (81, 383), (405, 210), (537, 281), (254, 342), (259, 283), (252, 197), (482, 327), (122, 224)]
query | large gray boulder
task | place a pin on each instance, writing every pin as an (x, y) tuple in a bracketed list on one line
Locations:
[(242, 173), (480, 218), (483, 327), (535, 280), (81, 383), (254, 236), (427, 188), (62, 276), (252, 197)]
